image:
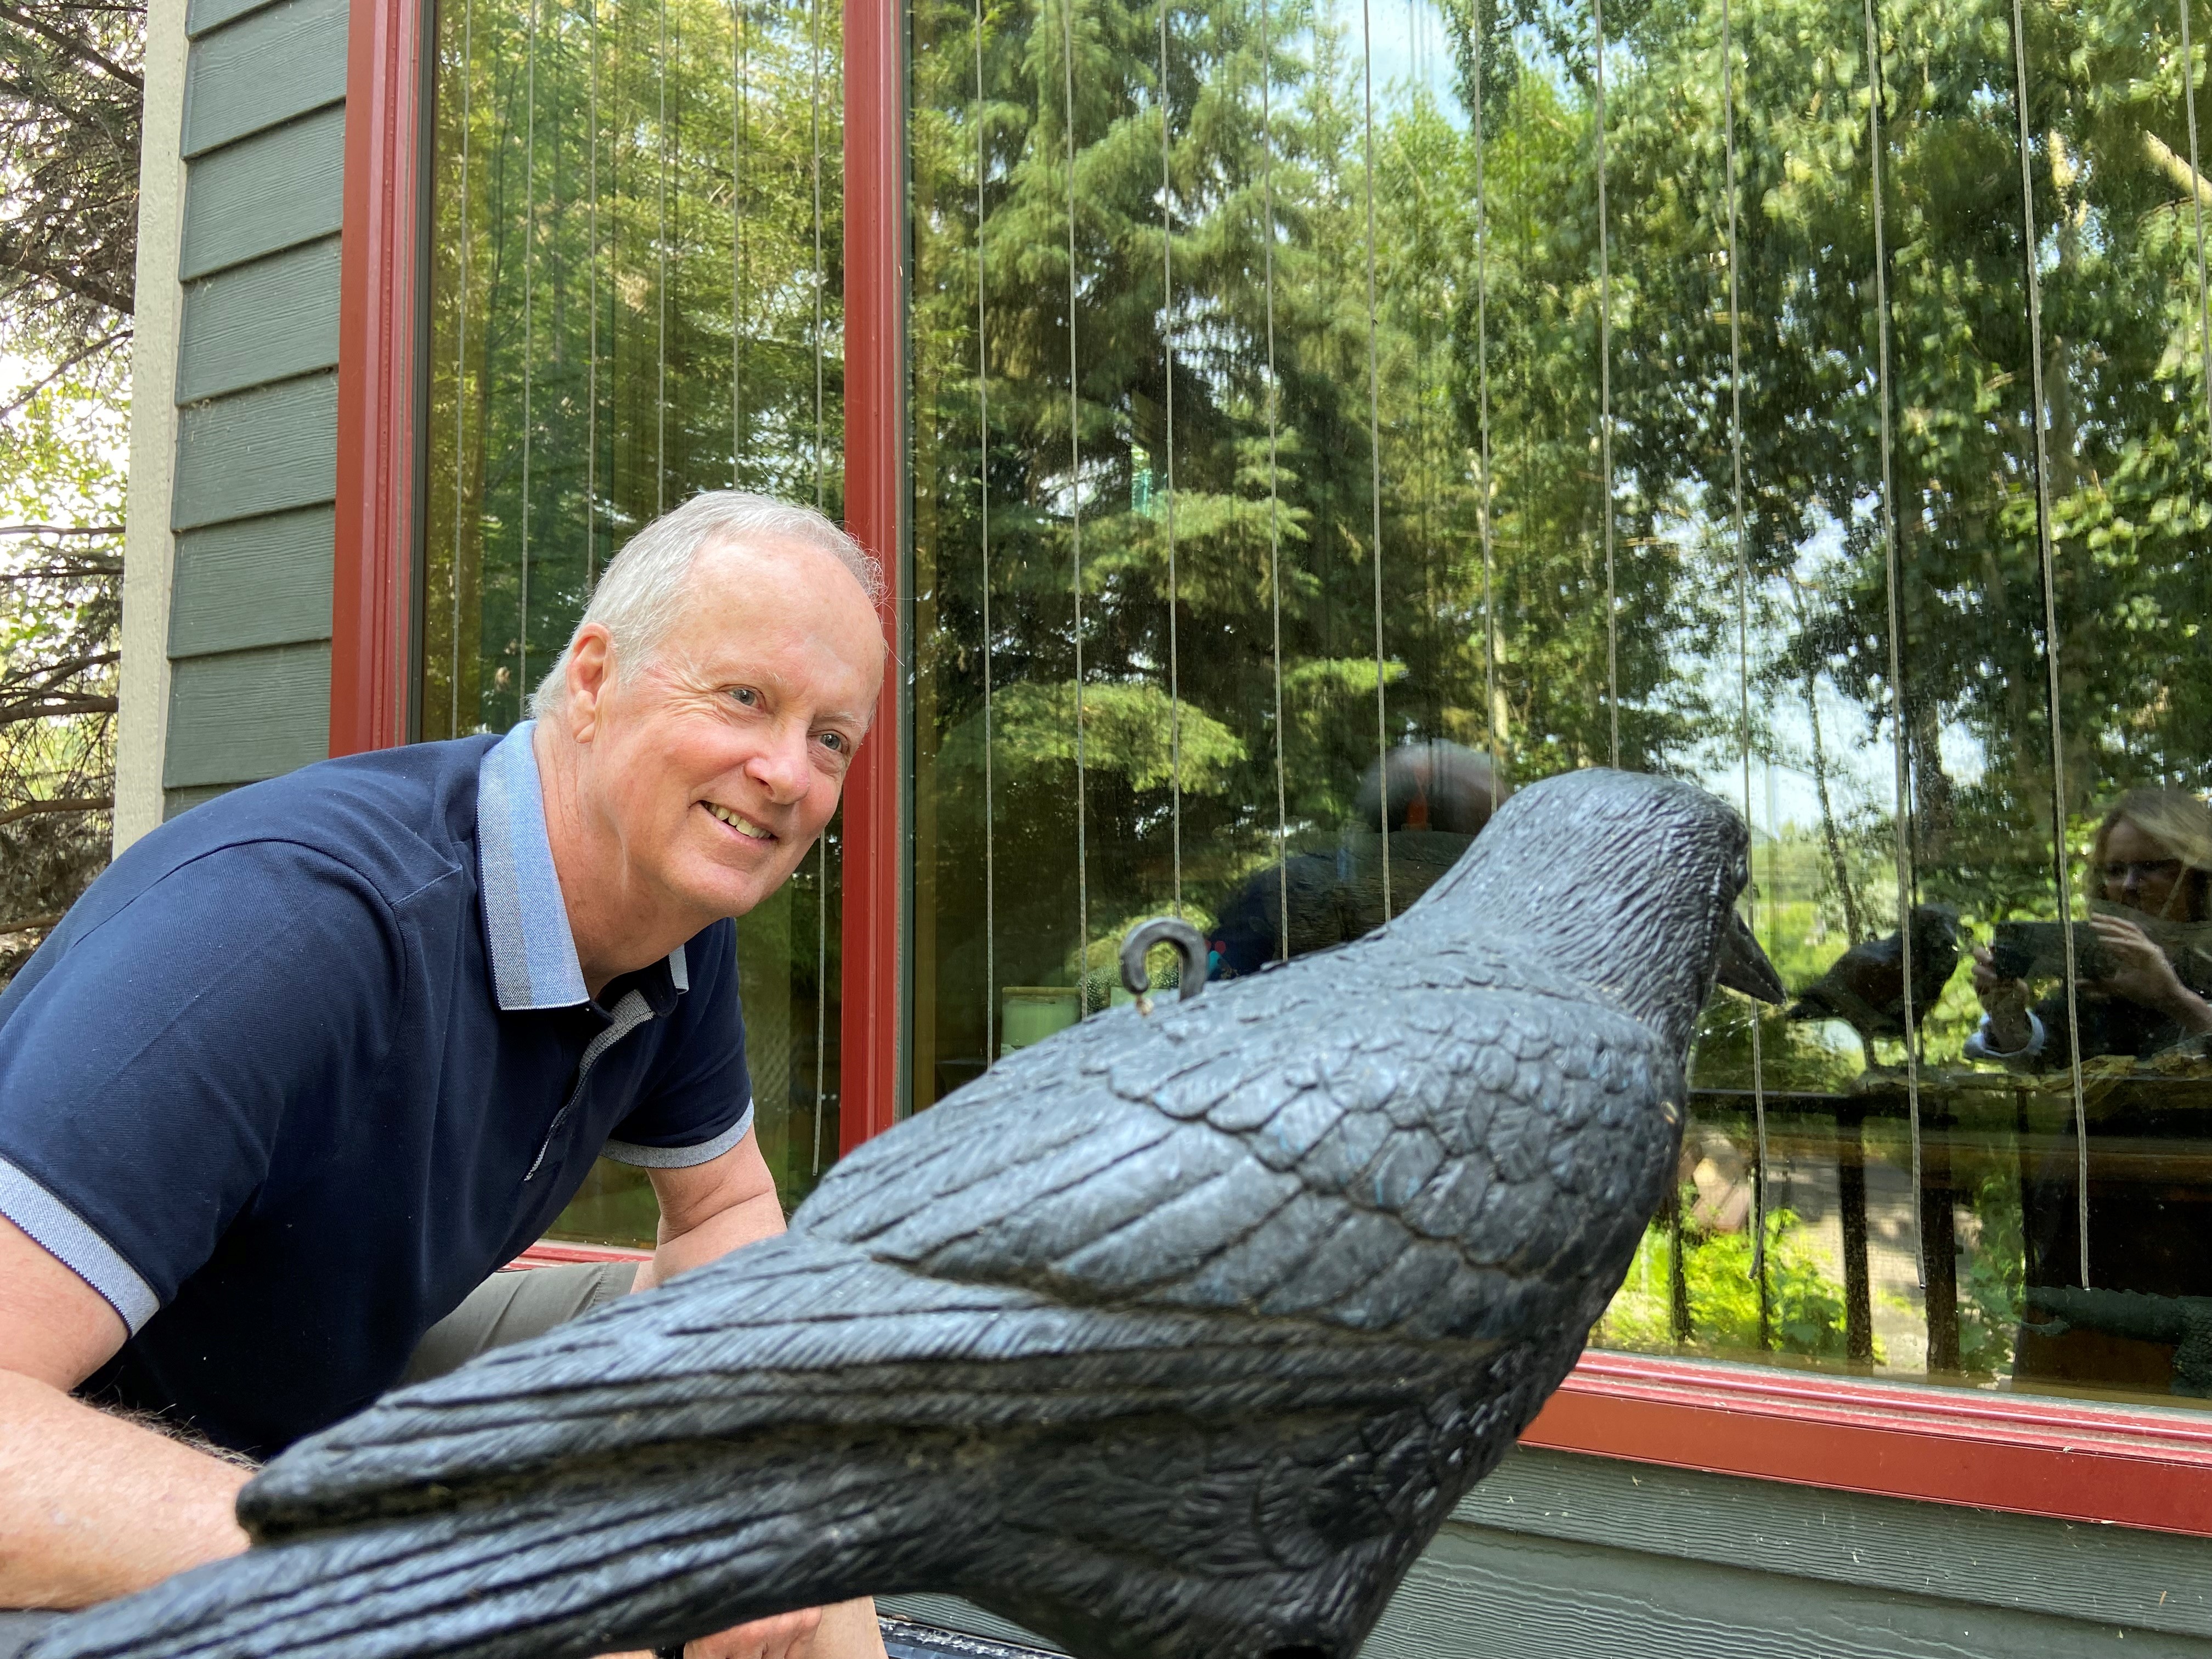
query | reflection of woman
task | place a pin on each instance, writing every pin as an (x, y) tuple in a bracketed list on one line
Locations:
[(2152, 854)]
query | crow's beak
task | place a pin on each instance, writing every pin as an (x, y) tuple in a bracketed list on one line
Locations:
[(1744, 966)]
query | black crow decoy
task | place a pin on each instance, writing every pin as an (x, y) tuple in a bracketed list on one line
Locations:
[(1174, 1337), (1864, 987)]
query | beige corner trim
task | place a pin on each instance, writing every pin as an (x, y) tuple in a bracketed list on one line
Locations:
[(148, 546)]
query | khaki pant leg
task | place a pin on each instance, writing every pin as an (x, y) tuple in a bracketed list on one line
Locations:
[(514, 1306)]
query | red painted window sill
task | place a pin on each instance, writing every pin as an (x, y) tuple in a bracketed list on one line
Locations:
[(2025, 1454)]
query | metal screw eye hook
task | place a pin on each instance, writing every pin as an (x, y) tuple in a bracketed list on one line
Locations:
[(1189, 943)]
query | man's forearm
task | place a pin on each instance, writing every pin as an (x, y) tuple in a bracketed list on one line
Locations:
[(718, 1234), (92, 1506)]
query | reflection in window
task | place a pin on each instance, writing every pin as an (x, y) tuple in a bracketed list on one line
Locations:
[(636, 294), (1326, 418)]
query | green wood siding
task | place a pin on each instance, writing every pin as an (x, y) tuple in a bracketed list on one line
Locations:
[(1561, 1557), (247, 714), (259, 451), (256, 427), (259, 323), (263, 69), (276, 189), (260, 582)]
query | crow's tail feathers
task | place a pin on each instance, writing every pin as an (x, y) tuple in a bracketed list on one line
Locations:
[(591, 1565)]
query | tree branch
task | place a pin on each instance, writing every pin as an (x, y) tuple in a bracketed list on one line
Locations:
[(82, 803), (42, 707), (61, 529), (66, 364), (31, 924), (69, 282), (84, 51)]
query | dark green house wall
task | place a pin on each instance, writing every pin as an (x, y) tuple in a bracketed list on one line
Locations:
[(257, 394), (1559, 1556)]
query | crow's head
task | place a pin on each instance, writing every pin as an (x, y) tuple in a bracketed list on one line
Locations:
[(1625, 881)]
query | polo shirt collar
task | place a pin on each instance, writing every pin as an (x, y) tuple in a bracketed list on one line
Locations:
[(534, 953)]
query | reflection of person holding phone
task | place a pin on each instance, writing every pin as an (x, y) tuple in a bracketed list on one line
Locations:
[(2152, 854)]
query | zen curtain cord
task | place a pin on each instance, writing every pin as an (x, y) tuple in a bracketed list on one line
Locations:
[(983, 521), (1274, 489), (592, 349), (529, 354), (1375, 444), (1483, 501), (2047, 557), (660, 284), (2197, 206), (1075, 519), (1605, 390), (1901, 779), (740, 101), (1743, 636), (461, 371), (1168, 447), (821, 276)]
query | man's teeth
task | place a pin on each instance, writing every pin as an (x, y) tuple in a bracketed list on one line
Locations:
[(739, 822)]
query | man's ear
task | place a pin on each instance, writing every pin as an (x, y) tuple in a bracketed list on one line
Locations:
[(591, 677)]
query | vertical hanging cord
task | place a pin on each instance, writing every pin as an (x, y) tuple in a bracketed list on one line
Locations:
[(1167, 341), (528, 351), (591, 348), (814, 107), (660, 243), (1900, 843), (1605, 403), (1743, 639), (461, 372), (821, 502), (1375, 448), (1075, 525), (741, 78), (1482, 427), (1274, 495), (2196, 203), (983, 500), (2048, 553)]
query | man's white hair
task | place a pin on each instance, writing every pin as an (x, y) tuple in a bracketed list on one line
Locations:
[(641, 594)]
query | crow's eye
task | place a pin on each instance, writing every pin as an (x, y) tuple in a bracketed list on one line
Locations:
[(1743, 873)]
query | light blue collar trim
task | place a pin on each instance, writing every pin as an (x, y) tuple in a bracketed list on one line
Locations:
[(534, 954)]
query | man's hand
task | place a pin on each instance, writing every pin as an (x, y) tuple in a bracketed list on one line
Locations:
[(847, 1630), (91, 1506)]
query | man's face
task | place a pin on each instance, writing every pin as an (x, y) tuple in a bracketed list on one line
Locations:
[(718, 761)]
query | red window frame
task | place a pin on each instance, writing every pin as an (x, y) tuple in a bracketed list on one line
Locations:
[(2023, 1454)]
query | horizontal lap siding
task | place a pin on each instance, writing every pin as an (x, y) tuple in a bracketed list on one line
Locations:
[(257, 426), (1557, 1556)]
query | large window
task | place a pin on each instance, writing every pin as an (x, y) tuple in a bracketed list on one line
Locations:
[(636, 294), (1325, 419)]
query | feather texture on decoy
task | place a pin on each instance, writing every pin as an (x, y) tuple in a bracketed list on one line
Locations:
[(1174, 1337)]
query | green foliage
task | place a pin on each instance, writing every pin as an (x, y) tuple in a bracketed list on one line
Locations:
[(1805, 1305)]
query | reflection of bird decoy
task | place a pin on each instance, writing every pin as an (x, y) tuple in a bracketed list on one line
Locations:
[(1865, 986), (1174, 1337), (2184, 1320), (1441, 794)]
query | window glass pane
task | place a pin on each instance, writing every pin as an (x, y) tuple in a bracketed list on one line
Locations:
[(1701, 394), (637, 294)]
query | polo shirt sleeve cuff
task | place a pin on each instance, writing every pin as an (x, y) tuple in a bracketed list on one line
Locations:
[(681, 1157), (73, 1241)]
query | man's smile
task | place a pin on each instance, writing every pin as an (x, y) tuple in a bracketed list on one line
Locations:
[(737, 821)]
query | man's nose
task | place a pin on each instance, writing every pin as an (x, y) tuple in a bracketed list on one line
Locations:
[(781, 769)]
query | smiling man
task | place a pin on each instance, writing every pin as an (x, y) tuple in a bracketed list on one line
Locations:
[(306, 1066)]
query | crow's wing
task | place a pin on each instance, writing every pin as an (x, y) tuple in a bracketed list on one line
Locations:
[(1437, 1147), (797, 1335), (1251, 1203)]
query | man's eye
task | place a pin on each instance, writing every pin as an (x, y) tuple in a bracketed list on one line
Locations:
[(835, 740), (745, 695)]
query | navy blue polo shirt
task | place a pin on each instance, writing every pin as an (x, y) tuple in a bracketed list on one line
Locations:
[(308, 1062)]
